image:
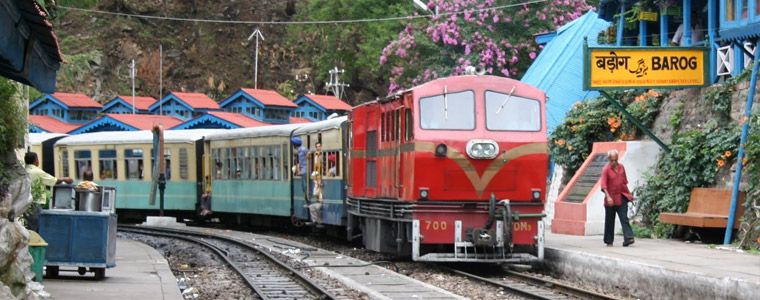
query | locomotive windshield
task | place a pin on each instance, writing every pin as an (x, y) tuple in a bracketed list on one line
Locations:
[(510, 112), (453, 111)]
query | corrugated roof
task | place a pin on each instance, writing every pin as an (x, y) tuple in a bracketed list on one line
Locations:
[(297, 120), (269, 131), (558, 69), (38, 138), (321, 125), (134, 137), (141, 102), (197, 100), (269, 97), (145, 122), (51, 124), (238, 119), (76, 100), (329, 102)]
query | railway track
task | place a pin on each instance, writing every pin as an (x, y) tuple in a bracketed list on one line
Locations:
[(266, 275), (533, 287)]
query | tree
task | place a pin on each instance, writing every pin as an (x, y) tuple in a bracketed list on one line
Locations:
[(354, 47), (496, 35)]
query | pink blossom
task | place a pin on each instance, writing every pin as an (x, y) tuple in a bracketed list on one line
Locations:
[(532, 55)]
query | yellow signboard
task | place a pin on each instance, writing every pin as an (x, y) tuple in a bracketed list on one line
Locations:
[(650, 16), (645, 67)]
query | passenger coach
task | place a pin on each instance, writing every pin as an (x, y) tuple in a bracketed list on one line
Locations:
[(123, 160), (451, 170)]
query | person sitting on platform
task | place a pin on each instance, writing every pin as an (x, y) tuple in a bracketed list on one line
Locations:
[(87, 183)]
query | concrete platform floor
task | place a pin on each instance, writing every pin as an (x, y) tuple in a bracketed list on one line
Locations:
[(657, 268), (140, 273)]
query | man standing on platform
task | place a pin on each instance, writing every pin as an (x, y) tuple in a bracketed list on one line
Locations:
[(615, 186), (38, 176)]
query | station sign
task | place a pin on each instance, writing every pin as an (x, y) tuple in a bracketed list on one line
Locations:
[(611, 68)]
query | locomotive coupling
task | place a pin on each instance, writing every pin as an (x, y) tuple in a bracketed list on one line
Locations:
[(481, 237)]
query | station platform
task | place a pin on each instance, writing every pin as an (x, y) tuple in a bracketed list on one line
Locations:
[(140, 273), (655, 269)]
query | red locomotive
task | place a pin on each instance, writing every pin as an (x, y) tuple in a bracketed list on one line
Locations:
[(451, 170)]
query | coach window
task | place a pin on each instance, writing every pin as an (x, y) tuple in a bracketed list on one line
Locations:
[(285, 161), (275, 150), (83, 162), (133, 161), (510, 112), (167, 161), (396, 125), (452, 111), (64, 163), (183, 173), (255, 163), (266, 172), (107, 163), (371, 176)]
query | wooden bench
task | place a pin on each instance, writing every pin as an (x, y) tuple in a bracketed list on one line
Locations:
[(708, 208)]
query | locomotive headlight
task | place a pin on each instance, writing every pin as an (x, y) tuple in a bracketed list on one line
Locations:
[(536, 195), (424, 193), (482, 149)]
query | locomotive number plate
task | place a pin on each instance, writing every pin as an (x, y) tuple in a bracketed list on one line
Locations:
[(435, 225)]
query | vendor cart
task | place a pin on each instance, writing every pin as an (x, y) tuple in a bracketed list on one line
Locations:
[(80, 229)]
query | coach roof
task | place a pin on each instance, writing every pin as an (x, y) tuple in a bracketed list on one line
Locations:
[(135, 137), (38, 138), (321, 125), (263, 131)]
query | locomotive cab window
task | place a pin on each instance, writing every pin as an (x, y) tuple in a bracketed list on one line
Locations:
[(451, 111), (512, 113)]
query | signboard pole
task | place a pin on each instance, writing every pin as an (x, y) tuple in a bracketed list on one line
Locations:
[(633, 119), (743, 140)]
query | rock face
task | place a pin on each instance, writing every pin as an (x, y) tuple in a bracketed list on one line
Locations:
[(15, 261)]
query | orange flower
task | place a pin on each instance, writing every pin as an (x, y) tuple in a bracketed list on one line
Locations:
[(727, 154), (721, 163), (653, 93), (560, 142)]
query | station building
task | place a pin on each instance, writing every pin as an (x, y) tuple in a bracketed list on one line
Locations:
[(263, 105), (124, 105), (220, 120), (127, 122), (66, 107), (319, 107), (184, 106)]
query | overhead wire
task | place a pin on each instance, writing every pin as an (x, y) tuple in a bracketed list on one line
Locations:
[(317, 22)]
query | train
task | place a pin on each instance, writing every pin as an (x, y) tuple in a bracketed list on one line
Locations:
[(453, 170)]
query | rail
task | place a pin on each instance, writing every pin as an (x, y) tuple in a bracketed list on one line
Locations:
[(260, 278), (533, 287)]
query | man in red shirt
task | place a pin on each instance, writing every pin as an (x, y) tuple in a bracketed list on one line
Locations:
[(616, 197)]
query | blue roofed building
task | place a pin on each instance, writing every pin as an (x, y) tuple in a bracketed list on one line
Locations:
[(262, 105), (319, 107), (66, 107), (184, 106), (558, 69), (123, 105)]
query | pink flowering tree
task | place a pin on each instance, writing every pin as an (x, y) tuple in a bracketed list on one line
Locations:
[(491, 34)]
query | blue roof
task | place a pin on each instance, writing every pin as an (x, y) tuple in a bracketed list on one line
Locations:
[(558, 69)]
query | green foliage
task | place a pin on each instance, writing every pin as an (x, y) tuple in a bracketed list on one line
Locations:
[(353, 47), (641, 232), (598, 120), (12, 117), (74, 72), (750, 234), (695, 158), (719, 97), (677, 115)]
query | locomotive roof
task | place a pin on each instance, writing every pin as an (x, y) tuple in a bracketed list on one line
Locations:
[(38, 138), (272, 130), (134, 137), (321, 125)]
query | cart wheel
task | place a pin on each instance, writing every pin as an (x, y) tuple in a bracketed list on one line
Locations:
[(51, 271), (100, 273), (82, 270)]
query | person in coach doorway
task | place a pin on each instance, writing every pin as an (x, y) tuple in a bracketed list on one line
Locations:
[(616, 197)]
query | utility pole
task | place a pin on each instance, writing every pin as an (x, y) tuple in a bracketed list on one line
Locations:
[(335, 86), (132, 73), (256, 33), (161, 77)]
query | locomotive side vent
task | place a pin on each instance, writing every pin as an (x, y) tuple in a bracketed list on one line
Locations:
[(482, 149)]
